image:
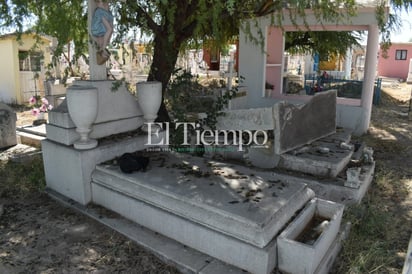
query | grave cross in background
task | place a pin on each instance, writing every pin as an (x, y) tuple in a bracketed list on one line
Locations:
[(229, 74)]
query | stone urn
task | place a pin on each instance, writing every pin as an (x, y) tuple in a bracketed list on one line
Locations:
[(82, 103), (149, 96)]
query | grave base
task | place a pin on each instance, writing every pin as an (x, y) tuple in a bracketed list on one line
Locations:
[(68, 171), (209, 206)]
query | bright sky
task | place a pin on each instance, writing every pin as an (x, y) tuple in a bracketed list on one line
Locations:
[(405, 34)]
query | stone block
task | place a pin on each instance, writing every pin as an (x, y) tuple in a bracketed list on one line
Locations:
[(18, 153), (52, 88), (324, 157), (307, 239), (118, 111), (297, 125), (114, 104), (262, 157), (334, 189), (8, 120), (68, 171), (352, 177)]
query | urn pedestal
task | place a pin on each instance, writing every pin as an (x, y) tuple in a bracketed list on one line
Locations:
[(82, 103)]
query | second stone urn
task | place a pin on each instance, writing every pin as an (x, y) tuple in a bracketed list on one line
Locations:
[(82, 103), (149, 96)]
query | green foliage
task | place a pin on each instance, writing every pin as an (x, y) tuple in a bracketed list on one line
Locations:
[(325, 43), (371, 246), (20, 179), (186, 97)]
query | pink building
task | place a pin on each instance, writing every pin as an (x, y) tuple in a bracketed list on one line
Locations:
[(396, 65)]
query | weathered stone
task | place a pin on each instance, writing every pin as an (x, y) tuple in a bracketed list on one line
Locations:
[(118, 112), (303, 254), (263, 157), (8, 120), (352, 177), (297, 125), (247, 119), (327, 162), (228, 211), (32, 135)]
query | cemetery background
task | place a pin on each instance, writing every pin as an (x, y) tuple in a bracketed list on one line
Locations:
[(37, 234)]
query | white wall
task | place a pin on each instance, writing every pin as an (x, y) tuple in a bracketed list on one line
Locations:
[(7, 72)]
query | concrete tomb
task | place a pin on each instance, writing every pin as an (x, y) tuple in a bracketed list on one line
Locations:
[(227, 211), (231, 212), (8, 120)]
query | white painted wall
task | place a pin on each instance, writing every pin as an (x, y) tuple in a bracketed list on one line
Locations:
[(8, 83), (11, 88), (349, 117)]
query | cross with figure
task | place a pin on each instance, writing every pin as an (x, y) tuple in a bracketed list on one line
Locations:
[(102, 29), (100, 25)]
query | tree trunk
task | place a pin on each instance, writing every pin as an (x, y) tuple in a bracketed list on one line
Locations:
[(164, 61)]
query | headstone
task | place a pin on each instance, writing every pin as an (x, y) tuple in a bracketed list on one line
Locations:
[(8, 120), (297, 125), (118, 111)]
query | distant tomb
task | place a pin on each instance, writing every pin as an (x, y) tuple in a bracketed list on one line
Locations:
[(8, 120)]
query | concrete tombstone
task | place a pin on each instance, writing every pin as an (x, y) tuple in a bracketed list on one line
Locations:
[(8, 120)]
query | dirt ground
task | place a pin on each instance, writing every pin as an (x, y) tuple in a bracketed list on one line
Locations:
[(39, 235)]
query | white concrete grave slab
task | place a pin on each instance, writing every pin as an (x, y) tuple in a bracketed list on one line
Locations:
[(226, 211), (325, 157)]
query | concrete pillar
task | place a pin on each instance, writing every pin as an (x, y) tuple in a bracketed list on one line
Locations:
[(348, 63), (97, 72), (409, 79), (371, 62)]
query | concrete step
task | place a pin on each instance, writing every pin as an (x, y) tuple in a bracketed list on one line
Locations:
[(19, 153), (31, 135)]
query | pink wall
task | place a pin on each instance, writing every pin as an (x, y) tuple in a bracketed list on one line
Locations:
[(389, 67), (274, 59)]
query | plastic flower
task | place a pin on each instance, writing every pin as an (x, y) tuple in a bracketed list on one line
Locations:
[(39, 105), (43, 108), (35, 111), (44, 101), (32, 100)]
